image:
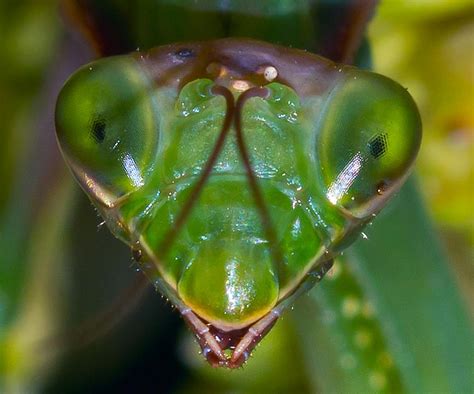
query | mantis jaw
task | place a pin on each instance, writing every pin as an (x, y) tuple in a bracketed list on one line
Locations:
[(228, 349)]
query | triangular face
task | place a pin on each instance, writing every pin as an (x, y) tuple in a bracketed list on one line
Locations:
[(238, 169)]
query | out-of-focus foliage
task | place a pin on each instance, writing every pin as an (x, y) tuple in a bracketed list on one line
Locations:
[(388, 319), (29, 33)]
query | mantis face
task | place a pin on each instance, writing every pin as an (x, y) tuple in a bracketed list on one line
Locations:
[(236, 170)]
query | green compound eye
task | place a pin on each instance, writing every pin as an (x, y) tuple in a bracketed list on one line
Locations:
[(370, 133), (107, 126)]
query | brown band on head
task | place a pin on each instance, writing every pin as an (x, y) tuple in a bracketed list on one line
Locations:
[(242, 59), (265, 218)]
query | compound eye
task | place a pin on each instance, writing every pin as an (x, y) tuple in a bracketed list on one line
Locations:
[(370, 134), (107, 126)]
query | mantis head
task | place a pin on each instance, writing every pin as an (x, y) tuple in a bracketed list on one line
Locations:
[(237, 169)]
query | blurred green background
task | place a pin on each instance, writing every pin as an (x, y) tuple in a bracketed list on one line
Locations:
[(404, 325)]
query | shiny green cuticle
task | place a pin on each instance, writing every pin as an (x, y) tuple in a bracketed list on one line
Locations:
[(327, 150)]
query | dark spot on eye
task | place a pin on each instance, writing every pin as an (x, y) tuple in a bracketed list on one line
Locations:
[(381, 187), (378, 145), (185, 53), (98, 130)]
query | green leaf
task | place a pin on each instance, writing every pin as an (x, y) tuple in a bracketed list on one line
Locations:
[(397, 287)]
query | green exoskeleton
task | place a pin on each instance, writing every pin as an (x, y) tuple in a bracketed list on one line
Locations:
[(236, 170)]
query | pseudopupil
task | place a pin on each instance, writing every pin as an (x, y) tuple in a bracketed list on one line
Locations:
[(378, 145), (98, 129)]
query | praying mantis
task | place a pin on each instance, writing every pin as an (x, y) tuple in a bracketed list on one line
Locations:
[(236, 170), (210, 100)]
